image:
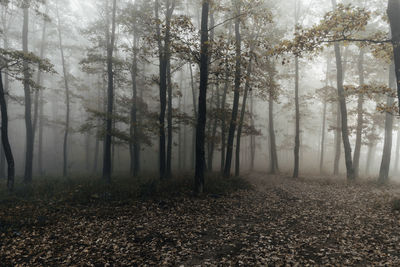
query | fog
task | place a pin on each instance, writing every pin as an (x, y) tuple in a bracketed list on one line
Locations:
[(83, 27)]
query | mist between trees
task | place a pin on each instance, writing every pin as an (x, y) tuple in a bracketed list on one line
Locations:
[(123, 87)]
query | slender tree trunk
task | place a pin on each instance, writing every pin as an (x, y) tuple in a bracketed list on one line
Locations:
[(41, 130), (28, 102), (235, 107), (321, 158), (273, 153), (343, 111), (387, 146), (164, 57), (242, 113), (67, 98), (180, 145), (107, 164), (396, 161), (99, 125), (39, 79), (297, 133), (338, 141), (213, 134), (195, 117), (252, 137), (223, 120), (6, 89), (360, 103), (169, 121), (134, 145), (201, 120), (4, 137), (393, 12)]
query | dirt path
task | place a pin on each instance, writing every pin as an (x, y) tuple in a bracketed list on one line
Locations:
[(280, 222)]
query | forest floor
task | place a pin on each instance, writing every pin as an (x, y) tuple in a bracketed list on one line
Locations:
[(281, 221)]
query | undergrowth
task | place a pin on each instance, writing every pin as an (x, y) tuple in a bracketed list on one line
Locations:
[(86, 189)]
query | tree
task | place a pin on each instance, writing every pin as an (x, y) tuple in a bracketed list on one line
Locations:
[(235, 107), (393, 10), (4, 137), (360, 103), (202, 112), (67, 95), (387, 146), (110, 95), (28, 101), (164, 59), (297, 108)]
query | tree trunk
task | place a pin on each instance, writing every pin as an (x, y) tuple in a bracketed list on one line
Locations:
[(28, 102), (67, 98), (169, 121), (223, 121), (297, 133), (201, 120), (360, 103), (393, 12), (242, 113), (338, 141), (107, 165), (134, 145), (164, 57), (387, 146), (273, 153), (252, 137), (213, 134), (5, 89), (235, 107), (180, 145), (396, 161), (39, 78), (321, 158), (343, 111), (4, 137), (195, 117)]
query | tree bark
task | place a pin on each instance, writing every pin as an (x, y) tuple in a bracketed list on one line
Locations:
[(164, 57), (252, 137), (321, 158), (201, 120), (343, 111), (107, 165), (6, 88), (67, 98), (360, 103), (235, 107), (213, 134), (338, 141), (387, 146), (393, 12), (396, 161), (28, 102), (4, 137), (297, 133), (169, 121), (134, 145), (193, 154), (243, 112), (273, 153)]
